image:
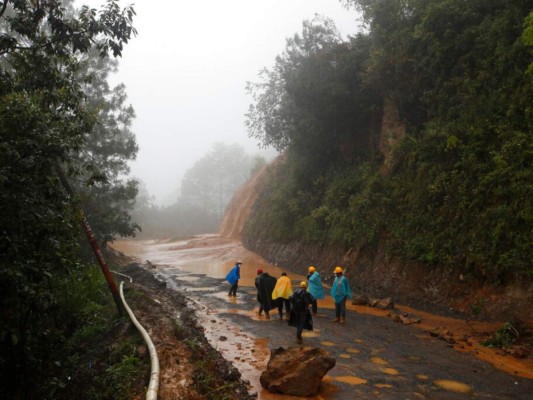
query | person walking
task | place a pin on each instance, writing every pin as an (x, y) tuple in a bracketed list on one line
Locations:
[(315, 287), (281, 294), (300, 316), (265, 286), (233, 278), (340, 291)]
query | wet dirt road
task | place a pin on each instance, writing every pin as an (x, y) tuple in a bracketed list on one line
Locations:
[(376, 357)]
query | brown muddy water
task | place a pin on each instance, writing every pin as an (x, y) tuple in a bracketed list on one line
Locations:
[(213, 257), (367, 367)]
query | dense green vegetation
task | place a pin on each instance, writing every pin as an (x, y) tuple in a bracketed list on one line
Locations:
[(56, 111), (97, 356), (457, 190)]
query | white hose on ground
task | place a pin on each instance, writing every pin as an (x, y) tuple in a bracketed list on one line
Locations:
[(125, 276), (153, 386)]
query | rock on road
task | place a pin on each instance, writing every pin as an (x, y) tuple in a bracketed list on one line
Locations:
[(376, 357)]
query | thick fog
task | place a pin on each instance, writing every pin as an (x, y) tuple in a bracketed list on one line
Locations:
[(186, 71)]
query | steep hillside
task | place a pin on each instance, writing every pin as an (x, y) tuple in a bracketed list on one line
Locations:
[(434, 289), (240, 206), (409, 159)]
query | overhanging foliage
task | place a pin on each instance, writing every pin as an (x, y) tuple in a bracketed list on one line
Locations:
[(459, 189)]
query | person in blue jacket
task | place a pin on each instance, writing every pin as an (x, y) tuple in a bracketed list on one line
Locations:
[(315, 287), (233, 278), (340, 291)]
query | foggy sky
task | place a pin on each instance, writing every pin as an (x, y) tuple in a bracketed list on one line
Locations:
[(185, 75)]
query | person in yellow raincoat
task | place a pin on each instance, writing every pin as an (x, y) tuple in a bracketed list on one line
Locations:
[(282, 292)]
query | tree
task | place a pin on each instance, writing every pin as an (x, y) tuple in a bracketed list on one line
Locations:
[(106, 196), (43, 120), (206, 189), (212, 180), (314, 102), (459, 192), (316, 105), (273, 118)]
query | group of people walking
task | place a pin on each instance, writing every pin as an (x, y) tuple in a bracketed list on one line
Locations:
[(299, 304)]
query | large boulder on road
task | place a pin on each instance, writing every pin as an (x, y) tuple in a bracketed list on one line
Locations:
[(297, 371)]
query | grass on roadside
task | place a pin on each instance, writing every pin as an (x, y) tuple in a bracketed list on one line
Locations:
[(103, 355)]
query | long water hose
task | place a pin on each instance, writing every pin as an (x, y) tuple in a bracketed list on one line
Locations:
[(153, 386)]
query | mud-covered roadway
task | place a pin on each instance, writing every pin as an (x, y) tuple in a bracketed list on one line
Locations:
[(377, 358)]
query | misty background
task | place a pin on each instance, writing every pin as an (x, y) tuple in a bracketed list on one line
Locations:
[(185, 75)]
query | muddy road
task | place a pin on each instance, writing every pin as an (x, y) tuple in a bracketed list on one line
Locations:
[(377, 358)]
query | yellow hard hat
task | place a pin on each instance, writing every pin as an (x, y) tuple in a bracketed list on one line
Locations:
[(312, 269), (338, 270), (303, 284)]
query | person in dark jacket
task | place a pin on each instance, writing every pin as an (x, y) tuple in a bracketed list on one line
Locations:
[(233, 278), (265, 286), (300, 315)]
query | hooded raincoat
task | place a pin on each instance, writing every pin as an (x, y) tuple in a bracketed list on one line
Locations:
[(234, 275), (265, 286), (283, 288), (341, 289), (315, 286)]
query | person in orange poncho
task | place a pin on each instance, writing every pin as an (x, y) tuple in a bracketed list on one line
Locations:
[(282, 292)]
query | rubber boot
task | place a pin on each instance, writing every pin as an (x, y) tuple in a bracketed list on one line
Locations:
[(342, 320)]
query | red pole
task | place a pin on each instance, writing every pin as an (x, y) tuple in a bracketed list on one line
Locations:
[(101, 261), (94, 244)]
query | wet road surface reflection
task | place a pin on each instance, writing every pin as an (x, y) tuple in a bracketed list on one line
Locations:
[(376, 358)]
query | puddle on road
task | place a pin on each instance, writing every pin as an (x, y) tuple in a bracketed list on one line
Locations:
[(215, 256), (327, 343), (383, 386), (389, 371), (353, 350), (198, 289), (423, 377), (187, 278), (351, 380), (453, 386), (247, 353), (345, 356), (379, 361), (205, 254)]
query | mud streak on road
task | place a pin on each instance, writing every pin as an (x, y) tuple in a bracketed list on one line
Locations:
[(376, 358)]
